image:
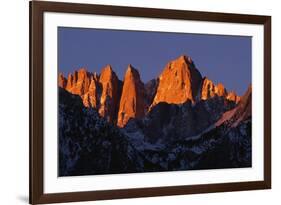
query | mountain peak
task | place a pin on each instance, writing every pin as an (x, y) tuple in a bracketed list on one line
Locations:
[(132, 99), (131, 71), (107, 70), (107, 74), (179, 82), (82, 70), (130, 68), (62, 81), (109, 96), (185, 59), (208, 89), (78, 82)]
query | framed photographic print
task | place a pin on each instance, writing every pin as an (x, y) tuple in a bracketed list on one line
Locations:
[(138, 102)]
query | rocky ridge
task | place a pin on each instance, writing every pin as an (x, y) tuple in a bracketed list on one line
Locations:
[(119, 101)]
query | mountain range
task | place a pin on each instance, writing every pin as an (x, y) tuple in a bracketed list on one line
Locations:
[(177, 121), (119, 101)]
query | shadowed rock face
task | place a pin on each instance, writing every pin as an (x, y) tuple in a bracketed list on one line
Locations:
[(167, 122), (132, 103), (150, 91), (242, 112), (179, 82)]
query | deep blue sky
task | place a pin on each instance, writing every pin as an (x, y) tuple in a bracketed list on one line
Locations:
[(225, 59)]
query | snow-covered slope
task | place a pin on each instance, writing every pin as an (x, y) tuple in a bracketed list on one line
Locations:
[(88, 144)]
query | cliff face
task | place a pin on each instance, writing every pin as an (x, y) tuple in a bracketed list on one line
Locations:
[(90, 98), (109, 99), (100, 92), (78, 83), (210, 90), (179, 82), (132, 103), (81, 83), (150, 90)]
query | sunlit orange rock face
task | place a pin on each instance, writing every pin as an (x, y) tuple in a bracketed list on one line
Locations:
[(118, 101), (232, 96), (209, 90), (62, 81), (179, 82), (132, 103), (78, 83), (90, 98), (220, 90), (81, 83), (109, 99), (89, 86)]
